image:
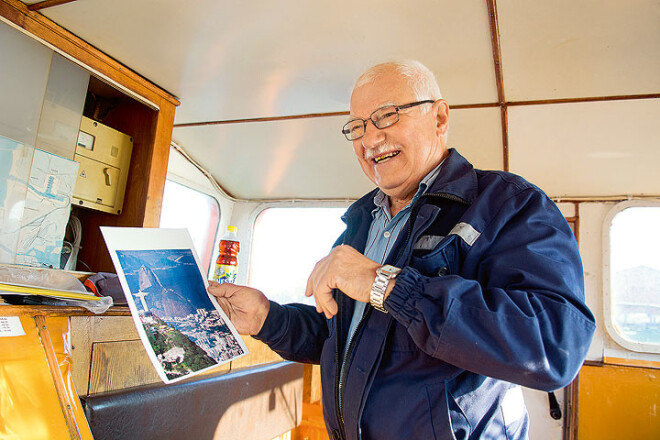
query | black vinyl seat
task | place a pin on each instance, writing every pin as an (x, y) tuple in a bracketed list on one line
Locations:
[(255, 403)]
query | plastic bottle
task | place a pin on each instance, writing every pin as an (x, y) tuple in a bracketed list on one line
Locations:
[(226, 266)]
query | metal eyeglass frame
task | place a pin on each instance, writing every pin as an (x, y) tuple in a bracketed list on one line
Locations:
[(346, 131)]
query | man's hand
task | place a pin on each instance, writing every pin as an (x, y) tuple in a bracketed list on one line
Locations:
[(345, 269), (245, 307)]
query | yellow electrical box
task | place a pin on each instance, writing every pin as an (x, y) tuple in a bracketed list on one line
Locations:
[(104, 155)]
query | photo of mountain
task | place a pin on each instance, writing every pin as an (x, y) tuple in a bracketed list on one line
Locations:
[(184, 329)]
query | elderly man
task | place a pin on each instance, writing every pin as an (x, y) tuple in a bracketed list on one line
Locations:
[(450, 287)]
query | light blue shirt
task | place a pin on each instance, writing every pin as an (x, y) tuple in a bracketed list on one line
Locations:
[(383, 233)]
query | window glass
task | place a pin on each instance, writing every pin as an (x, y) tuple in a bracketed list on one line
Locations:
[(286, 244), (635, 274), (194, 210)]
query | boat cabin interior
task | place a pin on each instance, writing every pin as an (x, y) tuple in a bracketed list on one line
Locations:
[(230, 113)]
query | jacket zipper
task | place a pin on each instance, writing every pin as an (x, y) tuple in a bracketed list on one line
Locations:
[(342, 370), (340, 378)]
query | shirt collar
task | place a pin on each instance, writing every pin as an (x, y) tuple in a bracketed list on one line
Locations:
[(381, 200)]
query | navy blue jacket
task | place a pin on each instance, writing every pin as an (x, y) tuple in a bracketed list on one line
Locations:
[(491, 294)]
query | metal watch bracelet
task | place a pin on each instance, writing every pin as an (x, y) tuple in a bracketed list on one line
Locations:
[(383, 276)]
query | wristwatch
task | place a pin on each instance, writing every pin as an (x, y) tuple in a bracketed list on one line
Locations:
[(383, 276)]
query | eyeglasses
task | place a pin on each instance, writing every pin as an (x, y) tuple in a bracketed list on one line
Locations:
[(382, 118)]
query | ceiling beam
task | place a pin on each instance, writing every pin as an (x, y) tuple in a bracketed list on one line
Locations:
[(499, 79), (47, 4), (265, 119), (585, 99), (497, 64), (497, 52), (504, 106)]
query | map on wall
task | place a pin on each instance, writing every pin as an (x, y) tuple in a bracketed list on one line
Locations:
[(35, 200), (15, 161), (47, 209)]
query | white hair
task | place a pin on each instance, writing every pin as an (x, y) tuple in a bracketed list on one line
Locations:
[(420, 79)]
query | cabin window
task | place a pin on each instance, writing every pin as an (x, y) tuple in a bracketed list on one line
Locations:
[(184, 207), (286, 244), (632, 275)]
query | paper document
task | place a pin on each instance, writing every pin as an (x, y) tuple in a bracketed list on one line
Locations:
[(11, 326), (182, 328)]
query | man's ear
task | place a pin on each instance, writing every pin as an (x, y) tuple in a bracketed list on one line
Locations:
[(441, 112)]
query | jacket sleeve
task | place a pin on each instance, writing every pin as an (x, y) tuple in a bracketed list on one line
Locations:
[(294, 331), (515, 310)]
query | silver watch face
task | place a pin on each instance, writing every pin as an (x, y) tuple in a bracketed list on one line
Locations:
[(389, 271)]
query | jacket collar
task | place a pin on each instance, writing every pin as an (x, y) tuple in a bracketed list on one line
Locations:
[(457, 177)]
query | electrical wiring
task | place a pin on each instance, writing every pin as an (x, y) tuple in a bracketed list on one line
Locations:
[(76, 230)]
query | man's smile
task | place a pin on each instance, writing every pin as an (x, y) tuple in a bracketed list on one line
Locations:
[(382, 153), (386, 156)]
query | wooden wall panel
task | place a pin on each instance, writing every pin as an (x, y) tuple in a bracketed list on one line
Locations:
[(120, 364), (152, 132), (260, 353), (88, 330)]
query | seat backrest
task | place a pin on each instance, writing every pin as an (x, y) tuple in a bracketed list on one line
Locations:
[(255, 403)]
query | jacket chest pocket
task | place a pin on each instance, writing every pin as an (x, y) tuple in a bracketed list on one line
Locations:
[(437, 256)]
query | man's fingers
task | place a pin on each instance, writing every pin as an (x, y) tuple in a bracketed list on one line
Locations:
[(334, 308), (326, 304), (330, 309), (309, 290), (226, 307), (221, 289)]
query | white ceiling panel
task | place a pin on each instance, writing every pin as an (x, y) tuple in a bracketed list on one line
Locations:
[(300, 158), (477, 134), (309, 158), (588, 149), (228, 60), (567, 48)]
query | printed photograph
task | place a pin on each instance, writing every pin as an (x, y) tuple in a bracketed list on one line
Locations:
[(184, 329)]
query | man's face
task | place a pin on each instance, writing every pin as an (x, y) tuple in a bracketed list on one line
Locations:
[(398, 157)]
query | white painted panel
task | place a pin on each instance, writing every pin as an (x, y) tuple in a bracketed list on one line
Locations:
[(588, 149), (566, 209), (568, 48), (591, 251), (63, 107), (230, 60), (541, 425), (24, 65), (477, 134), (178, 166), (301, 158)]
